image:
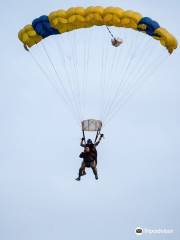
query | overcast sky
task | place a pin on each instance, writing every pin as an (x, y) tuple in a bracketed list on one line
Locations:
[(39, 145)]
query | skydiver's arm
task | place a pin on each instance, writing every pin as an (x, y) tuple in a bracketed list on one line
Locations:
[(82, 144), (97, 143), (81, 155)]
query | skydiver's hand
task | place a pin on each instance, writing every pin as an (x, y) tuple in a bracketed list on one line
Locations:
[(102, 135), (83, 139)]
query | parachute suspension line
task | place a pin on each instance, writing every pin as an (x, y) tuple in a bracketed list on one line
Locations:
[(110, 94), (116, 71), (82, 67), (125, 101), (160, 59), (127, 88), (107, 72), (110, 32), (56, 83), (81, 70), (109, 80), (101, 81), (41, 69), (85, 70), (124, 69), (53, 85), (98, 60), (125, 80), (82, 75), (90, 66), (47, 77), (146, 75), (131, 47), (76, 72), (103, 68), (103, 73), (60, 81), (75, 76), (76, 64), (112, 80), (70, 80), (78, 58)]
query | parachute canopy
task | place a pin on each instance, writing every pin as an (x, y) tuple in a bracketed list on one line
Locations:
[(95, 73), (62, 21)]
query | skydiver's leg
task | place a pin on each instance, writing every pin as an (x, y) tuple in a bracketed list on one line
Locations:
[(81, 170), (96, 162), (93, 166)]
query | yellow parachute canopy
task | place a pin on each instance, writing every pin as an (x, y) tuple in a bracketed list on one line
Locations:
[(62, 21)]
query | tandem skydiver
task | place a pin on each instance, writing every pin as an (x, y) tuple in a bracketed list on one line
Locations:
[(89, 156)]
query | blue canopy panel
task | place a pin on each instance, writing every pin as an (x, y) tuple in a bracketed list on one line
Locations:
[(151, 25), (43, 27)]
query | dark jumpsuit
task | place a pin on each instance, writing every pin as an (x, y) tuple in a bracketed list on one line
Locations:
[(93, 151), (88, 161), (89, 158)]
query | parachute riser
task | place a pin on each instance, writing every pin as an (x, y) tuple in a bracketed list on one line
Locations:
[(97, 135), (84, 136)]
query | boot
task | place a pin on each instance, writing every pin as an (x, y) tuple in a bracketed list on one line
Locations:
[(78, 179), (96, 177)]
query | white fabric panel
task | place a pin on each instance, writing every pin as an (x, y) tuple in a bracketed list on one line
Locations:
[(91, 125)]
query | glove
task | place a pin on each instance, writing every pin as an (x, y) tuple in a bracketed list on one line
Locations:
[(102, 135), (82, 139)]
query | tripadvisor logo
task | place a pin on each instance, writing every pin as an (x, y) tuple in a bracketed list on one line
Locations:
[(139, 231)]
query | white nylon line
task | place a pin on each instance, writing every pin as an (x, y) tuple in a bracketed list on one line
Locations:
[(55, 87), (125, 67), (127, 81), (68, 77), (60, 81), (141, 80)]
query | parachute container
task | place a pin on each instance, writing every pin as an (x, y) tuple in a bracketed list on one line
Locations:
[(91, 125)]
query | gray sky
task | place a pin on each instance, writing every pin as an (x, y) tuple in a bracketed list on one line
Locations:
[(138, 160)]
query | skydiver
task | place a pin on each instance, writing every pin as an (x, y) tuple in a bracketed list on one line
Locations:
[(90, 156), (92, 146), (88, 161)]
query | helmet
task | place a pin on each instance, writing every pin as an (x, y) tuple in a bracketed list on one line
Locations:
[(89, 141)]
